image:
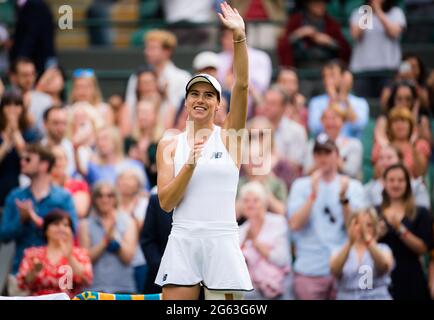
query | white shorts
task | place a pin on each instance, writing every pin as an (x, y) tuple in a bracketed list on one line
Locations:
[(204, 252)]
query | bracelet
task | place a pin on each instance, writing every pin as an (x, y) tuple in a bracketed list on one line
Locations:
[(402, 231), (239, 41)]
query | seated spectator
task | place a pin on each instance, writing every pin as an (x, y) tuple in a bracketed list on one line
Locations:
[(79, 189), (264, 240), (261, 35), (133, 201), (111, 238), (25, 208), (153, 240), (350, 149), (338, 83), (408, 231), (107, 160), (52, 83), (400, 133), (377, 45), (404, 94), (289, 136), (43, 269), (16, 132), (159, 48), (85, 88), (296, 109), (23, 78), (387, 156), (319, 206), (312, 37), (411, 69), (56, 125), (142, 144), (260, 70), (362, 256)]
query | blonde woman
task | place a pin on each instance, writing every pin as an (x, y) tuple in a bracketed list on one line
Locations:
[(362, 256), (108, 158), (85, 88)]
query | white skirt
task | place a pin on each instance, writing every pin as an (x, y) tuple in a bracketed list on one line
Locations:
[(208, 253)]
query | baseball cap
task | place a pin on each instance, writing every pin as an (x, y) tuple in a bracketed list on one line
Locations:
[(324, 143), (203, 77), (206, 59)]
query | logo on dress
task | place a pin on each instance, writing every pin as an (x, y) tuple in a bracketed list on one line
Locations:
[(165, 277), (216, 155)]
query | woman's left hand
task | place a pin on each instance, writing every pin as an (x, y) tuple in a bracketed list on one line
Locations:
[(230, 18)]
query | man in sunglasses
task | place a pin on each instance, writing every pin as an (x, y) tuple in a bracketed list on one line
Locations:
[(25, 208), (318, 207)]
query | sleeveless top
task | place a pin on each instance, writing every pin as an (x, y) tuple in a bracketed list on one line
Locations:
[(110, 274), (210, 194)]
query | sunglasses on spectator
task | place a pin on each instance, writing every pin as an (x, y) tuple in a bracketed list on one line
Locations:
[(329, 214), (83, 73), (110, 195)]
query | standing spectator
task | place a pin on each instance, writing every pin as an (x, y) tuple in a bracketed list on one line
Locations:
[(362, 250), (318, 207), (153, 239), (85, 88), (111, 238), (34, 34), (99, 31), (56, 122), (159, 48), (264, 243), (350, 149), (16, 132), (408, 231), (312, 37), (400, 133), (388, 156), (42, 269), (187, 20), (263, 32), (260, 69), (79, 189), (289, 136), (142, 144), (296, 109), (23, 78), (25, 208), (377, 46), (107, 160), (338, 83)]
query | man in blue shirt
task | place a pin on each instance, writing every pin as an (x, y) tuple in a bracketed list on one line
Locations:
[(318, 207), (25, 208), (338, 83)]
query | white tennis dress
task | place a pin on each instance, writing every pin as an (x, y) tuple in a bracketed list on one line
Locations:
[(203, 245)]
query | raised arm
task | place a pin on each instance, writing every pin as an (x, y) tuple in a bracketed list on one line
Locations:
[(231, 19)]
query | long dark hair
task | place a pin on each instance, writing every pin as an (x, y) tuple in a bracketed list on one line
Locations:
[(394, 90), (13, 97), (422, 76), (407, 197)]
